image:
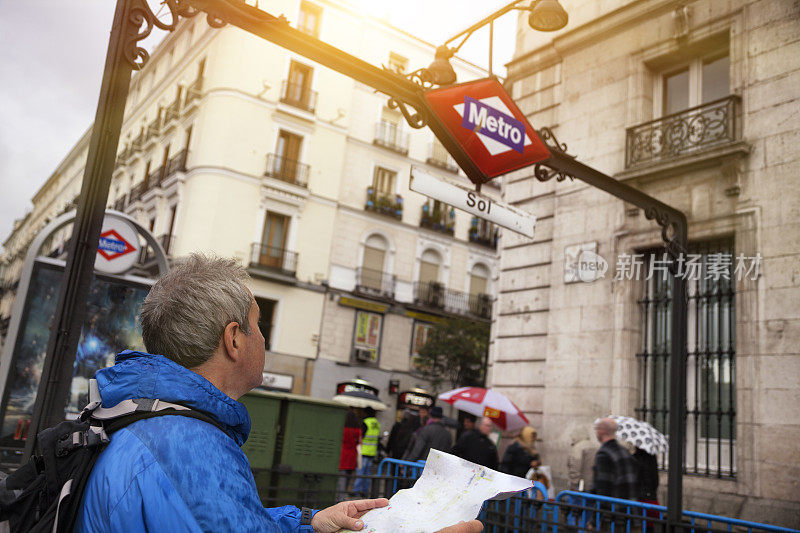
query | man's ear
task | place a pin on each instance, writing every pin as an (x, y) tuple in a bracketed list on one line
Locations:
[(230, 340)]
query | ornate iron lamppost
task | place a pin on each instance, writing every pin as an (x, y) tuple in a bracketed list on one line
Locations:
[(133, 21)]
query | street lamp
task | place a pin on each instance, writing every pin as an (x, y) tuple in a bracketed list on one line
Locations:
[(545, 15)]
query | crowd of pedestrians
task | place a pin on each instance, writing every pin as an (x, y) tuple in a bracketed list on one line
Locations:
[(597, 462)]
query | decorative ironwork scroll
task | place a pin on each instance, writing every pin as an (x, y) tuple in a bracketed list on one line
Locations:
[(142, 20), (682, 133), (543, 171)]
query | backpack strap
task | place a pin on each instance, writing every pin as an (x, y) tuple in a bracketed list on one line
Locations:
[(125, 420)]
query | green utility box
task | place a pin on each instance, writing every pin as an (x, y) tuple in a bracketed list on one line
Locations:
[(294, 447)]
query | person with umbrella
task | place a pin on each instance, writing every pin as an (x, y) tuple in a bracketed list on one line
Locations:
[(648, 442)]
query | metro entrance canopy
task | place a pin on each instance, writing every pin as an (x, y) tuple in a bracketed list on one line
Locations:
[(134, 21)]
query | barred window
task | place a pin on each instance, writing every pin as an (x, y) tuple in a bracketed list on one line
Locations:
[(711, 348)]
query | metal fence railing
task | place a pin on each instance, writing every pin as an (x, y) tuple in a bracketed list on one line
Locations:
[(569, 511)]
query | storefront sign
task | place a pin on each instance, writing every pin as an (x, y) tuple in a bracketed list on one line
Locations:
[(362, 304)]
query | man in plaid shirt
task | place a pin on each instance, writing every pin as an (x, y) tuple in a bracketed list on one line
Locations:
[(614, 468)]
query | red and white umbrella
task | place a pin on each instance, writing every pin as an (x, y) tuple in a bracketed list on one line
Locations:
[(489, 403)]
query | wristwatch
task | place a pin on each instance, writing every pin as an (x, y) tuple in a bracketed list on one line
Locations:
[(306, 515)]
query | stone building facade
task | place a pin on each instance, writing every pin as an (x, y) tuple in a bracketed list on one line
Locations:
[(235, 146), (694, 103)]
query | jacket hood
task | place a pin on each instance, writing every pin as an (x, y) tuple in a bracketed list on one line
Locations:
[(143, 375)]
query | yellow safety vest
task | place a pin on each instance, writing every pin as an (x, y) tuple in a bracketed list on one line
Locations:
[(369, 446)]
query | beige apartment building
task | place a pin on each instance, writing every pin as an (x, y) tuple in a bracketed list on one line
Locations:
[(695, 103), (235, 146)]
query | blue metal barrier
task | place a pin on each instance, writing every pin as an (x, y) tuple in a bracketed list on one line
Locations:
[(396, 468), (640, 512), (575, 511)]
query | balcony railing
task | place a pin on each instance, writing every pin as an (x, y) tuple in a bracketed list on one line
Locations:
[(389, 136), (481, 231), (119, 205), (177, 163), (298, 95), (287, 170), (440, 157), (137, 191), (126, 153), (194, 91), (137, 144), (438, 217), (683, 133), (435, 295), (386, 204), (272, 258), (154, 178), (147, 252), (154, 128), (375, 283), (173, 110)]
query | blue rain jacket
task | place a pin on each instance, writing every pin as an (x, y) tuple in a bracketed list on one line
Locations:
[(174, 473)]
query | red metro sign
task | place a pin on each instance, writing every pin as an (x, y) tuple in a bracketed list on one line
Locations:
[(488, 125)]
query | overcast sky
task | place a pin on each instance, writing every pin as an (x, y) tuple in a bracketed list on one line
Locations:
[(51, 60)]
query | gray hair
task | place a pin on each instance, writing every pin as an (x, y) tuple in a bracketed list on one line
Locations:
[(186, 312)]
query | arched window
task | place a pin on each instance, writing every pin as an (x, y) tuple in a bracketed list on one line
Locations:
[(478, 279), (374, 261), (429, 265)]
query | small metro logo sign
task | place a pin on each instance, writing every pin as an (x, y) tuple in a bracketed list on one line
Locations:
[(113, 245), (488, 125)]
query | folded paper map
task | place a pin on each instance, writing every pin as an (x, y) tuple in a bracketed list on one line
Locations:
[(450, 490)]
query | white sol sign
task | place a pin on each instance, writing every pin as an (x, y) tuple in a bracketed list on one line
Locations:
[(470, 201)]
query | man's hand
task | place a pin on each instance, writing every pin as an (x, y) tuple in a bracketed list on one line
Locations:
[(473, 526), (345, 515)]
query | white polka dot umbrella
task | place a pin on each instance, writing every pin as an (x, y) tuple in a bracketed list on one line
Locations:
[(640, 434)]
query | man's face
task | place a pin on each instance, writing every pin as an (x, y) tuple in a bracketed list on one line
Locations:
[(485, 426), (254, 349), (469, 423), (423, 413)]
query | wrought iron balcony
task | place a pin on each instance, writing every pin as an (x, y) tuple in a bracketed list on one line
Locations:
[(154, 128), (698, 128), (287, 170), (137, 144), (126, 153), (389, 136), (119, 205), (272, 258), (386, 204), (173, 110), (481, 231), (298, 95), (375, 283), (177, 163), (440, 157), (154, 179), (194, 91), (435, 295), (147, 253), (137, 191), (438, 217)]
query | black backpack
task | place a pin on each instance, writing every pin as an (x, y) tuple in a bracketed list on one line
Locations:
[(44, 495)]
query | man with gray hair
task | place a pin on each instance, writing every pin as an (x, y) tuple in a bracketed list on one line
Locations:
[(614, 468), (174, 473)]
